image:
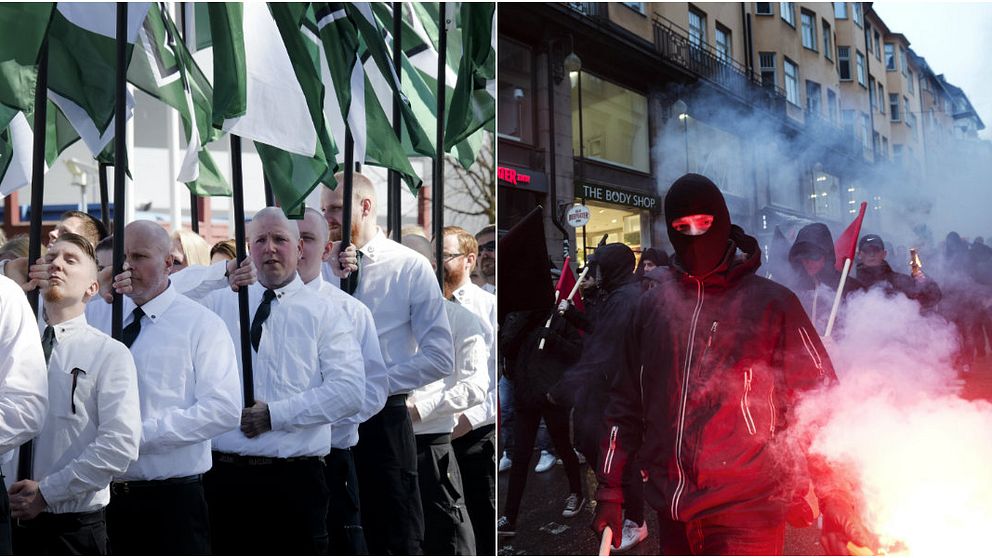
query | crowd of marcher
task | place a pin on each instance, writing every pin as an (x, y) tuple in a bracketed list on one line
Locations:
[(368, 426), (679, 376)]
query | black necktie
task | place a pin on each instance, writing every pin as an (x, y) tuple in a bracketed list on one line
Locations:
[(353, 278), (47, 341), (132, 330), (260, 316)]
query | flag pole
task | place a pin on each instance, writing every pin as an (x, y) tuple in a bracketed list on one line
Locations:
[(838, 297), (238, 199), (437, 195), (25, 459), (120, 153), (347, 202), (571, 295), (393, 197), (194, 201), (104, 195)]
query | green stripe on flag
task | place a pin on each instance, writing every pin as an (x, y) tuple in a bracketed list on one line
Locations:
[(23, 27)]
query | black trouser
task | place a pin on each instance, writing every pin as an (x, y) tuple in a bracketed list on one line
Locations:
[(447, 527), (344, 519), (267, 506), (633, 493), (62, 534), (476, 453), (158, 517), (5, 546), (386, 456), (525, 426)]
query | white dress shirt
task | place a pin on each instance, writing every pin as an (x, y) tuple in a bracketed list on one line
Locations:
[(197, 281), (344, 434), (308, 369), (483, 305), (93, 427), (188, 385), (400, 288), (440, 402), (23, 382)]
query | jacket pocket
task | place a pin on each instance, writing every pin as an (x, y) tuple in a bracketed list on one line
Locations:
[(746, 404)]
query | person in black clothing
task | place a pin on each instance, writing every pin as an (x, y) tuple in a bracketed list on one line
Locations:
[(713, 361), (534, 372), (873, 269), (815, 279)]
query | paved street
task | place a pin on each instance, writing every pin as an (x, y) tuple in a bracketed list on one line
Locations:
[(542, 530)]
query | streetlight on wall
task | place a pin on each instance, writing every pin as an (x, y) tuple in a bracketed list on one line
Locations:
[(680, 109)]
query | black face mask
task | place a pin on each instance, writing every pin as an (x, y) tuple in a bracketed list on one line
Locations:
[(694, 194)]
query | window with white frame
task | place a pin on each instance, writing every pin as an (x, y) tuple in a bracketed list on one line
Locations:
[(791, 81), (868, 34), (767, 63), (894, 107), (865, 131), (905, 104), (840, 10), (878, 48), (860, 66), (813, 98), (881, 98), (614, 123), (871, 93), (856, 13), (636, 6), (890, 57), (788, 14), (763, 8), (809, 29), (697, 28), (515, 88), (828, 41), (724, 45), (844, 62), (909, 83), (902, 60)]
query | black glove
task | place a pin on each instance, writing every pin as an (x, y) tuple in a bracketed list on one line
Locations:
[(609, 514), (841, 525)]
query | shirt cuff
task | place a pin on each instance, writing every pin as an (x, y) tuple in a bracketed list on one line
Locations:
[(278, 417)]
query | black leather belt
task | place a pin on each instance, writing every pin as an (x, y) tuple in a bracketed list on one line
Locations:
[(433, 439), (119, 488), (398, 400), (258, 460)]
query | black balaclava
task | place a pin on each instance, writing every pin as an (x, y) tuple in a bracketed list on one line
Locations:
[(616, 265), (694, 194)]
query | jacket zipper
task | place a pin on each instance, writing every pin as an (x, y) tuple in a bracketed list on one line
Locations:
[(745, 405), (685, 395), (771, 406), (608, 462)]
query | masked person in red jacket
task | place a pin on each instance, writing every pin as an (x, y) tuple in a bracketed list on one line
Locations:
[(713, 362)]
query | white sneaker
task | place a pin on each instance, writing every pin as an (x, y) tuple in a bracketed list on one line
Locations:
[(633, 534), (505, 463), (573, 505), (545, 463)]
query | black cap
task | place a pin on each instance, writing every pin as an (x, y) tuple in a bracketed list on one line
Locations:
[(871, 240)]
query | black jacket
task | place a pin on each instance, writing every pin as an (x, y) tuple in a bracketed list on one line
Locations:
[(816, 294), (531, 370), (710, 374), (927, 293)]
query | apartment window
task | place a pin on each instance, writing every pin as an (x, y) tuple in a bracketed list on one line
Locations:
[(763, 8), (909, 83), (876, 143), (787, 12), (724, 46), (894, 107), (881, 98), (614, 123), (906, 118), (636, 6), (865, 131), (871, 93), (897, 152), (515, 92), (868, 34), (809, 29), (840, 10), (878, 50), (856, 13), (885, 147), (813, 98), (832, 104), (767, 62), (861, 66), (844, 62), (890, 57), (848, 121), (902, 60), (697, 28), (828, 42), (791, 82)]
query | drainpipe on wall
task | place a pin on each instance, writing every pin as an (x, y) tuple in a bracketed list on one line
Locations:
[(553, 153)]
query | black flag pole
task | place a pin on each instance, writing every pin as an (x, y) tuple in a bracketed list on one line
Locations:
[(120, 154), (437, 196), (346, 204), (104, 196), (25, 459), (394, 203), (238, 200)]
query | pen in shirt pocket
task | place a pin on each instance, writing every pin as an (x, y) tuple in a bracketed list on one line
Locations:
[(72, 396)]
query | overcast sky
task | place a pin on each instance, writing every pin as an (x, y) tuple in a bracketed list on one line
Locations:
[(954, 38)]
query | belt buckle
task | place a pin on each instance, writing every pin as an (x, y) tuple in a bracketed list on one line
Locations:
[(121, 487)]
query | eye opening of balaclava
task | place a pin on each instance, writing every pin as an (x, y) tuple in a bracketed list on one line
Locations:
[(694, 194)]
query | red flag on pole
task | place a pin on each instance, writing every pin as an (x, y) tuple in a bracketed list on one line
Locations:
[(565, 285), (847, 242)]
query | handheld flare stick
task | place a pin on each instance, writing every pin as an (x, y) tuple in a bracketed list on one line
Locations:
[(575, 289), (606, 541), (915, 264)]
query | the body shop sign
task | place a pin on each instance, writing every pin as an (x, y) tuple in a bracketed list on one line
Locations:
[(609, 194)]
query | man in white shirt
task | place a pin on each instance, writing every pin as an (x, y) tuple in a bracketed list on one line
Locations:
[(23, 385), (267, 491), (400, 289), (77, 222), (93, 425), (344, 521), (485, 271), (188, 393), (474, 437), (435, 409)]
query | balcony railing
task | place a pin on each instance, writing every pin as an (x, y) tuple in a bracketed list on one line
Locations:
[(591, 9)]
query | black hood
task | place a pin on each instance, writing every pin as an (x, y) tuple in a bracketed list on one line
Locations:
[(731, 267), (694, 194), (658, 257), (814, 238), (615, 263)]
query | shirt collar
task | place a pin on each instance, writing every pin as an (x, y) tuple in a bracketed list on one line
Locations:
[(157, 306), (67, 328), (464, 291), (375, 246), (289, 288), (316, 284)]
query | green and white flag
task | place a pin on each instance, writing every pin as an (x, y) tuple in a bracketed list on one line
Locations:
[(163, 67), (22, 31), (473, 103), (16, 148), (82, 63)]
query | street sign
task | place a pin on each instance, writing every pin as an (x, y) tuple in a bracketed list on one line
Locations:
[(577, 216)]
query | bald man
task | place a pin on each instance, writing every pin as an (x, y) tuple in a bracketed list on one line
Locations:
[(188, 392), (400, 289), (267, 491)]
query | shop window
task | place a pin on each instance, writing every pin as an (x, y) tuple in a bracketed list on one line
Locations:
[(515, 92), (609, 123), (618, 223)]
